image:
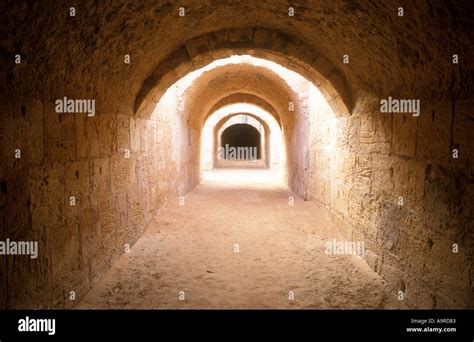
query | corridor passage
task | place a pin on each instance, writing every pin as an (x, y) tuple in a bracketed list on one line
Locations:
[(237, 154), (238, 243)]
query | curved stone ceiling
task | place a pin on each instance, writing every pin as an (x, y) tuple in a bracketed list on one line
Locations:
[(226, 119), (84, 56), (247, 99), (220, 83)]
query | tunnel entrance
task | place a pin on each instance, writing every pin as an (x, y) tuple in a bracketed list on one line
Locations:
[(240, 142)]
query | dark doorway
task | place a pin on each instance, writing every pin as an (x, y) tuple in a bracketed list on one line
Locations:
[(243, 138)]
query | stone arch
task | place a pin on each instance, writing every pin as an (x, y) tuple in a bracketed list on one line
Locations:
[(226, 118), (244, 98), (272, 45), (232, 134), (265, 141), (268, 121), (260, 84)]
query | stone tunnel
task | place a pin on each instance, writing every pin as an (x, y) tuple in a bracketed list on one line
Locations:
[(114, 195)]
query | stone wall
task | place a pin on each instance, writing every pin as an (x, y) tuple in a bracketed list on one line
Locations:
[(391, 181), (296, 135), (119, 170), (360, 164)]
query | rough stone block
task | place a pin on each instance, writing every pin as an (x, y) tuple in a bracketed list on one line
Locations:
[(323, 66), (107, 137), (122, 170), (34, 147), (65, 249), (77, 184), (59, 131), (197, 46), (123, 133), (433, 141), (404, 134), (99, 180), (443, 200), (372, 260), (240, 35), (263, 38), (87, 136), (462, 133), (137, 129)]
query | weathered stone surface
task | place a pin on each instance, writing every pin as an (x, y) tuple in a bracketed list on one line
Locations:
[(436, 124), (59, 133), (357, 165), (404, 134)]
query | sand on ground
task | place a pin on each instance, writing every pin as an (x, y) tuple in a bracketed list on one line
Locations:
[(238, 243)]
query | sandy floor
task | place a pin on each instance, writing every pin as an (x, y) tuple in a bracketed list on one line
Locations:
[(237, 243)]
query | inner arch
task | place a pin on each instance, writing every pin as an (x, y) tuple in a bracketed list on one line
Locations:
[(243, 140)]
